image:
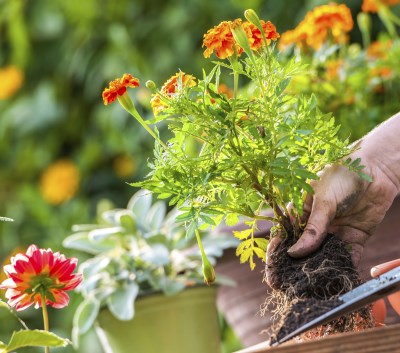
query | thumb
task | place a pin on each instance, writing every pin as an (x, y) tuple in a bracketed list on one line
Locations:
[(315, 231), (385, 267)]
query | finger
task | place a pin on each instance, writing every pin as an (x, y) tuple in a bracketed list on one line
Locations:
[(385, 267), (355, 238), (315, 231), (273, 243), (307, 207), (356, 253)]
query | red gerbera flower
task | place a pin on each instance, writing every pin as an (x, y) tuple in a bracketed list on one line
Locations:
[(37, 273)]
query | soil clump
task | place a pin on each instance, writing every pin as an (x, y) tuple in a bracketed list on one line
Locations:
[(305, 288)]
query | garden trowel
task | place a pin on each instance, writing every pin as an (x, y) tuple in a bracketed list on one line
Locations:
[(364, 294)]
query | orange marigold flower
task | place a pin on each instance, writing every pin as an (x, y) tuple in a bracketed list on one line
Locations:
[(255, 35), (59, 182), (170, 87), (157, 104), (220, 39), (37, 273), (180, 79), (118, 87), (11, 79), (374, 5)]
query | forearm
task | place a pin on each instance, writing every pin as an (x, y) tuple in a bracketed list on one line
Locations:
[(381, 149)]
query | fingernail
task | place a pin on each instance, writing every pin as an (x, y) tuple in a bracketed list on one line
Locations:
[(374, 270)]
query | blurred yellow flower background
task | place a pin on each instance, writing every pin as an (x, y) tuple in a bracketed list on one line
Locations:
[(11, 79), (59, 182)]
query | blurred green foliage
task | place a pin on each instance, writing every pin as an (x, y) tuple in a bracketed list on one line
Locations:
[(68, 50)]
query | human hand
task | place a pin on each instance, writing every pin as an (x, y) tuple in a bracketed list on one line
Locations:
[(394, 299), (348, 206), (345, 205)]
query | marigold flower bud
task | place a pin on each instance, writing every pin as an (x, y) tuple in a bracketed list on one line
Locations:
[(208, 272), (252, 17), (151, 85), (240, 36)]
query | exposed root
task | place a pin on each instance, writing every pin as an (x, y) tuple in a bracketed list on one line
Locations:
[(306, 288)]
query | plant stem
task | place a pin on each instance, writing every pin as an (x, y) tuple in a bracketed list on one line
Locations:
[(45, 318), (127, 104), (136, 115), (199, 242)]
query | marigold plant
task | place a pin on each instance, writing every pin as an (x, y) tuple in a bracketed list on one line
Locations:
[(232, 157)]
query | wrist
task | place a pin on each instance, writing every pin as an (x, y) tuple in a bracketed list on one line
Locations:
[(380, 152)]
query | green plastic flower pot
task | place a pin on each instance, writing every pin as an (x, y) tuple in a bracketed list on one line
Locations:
[(182, 323)]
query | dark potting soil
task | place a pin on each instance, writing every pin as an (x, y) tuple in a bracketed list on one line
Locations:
[(308, 287)]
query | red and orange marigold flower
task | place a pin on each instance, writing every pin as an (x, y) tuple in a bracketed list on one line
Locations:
[(374, 5), (39, 274), (255, 36), (220, 38), (118, 87), (170, 87)]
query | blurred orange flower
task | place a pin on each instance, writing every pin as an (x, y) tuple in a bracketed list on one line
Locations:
[(373, 5), (170, 87), (328, 20), (379, 49), (296, 36), (37, 273), (59, 182), (320, 24), (118, 87), (381, 72), (333, 68), (11, 79)]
